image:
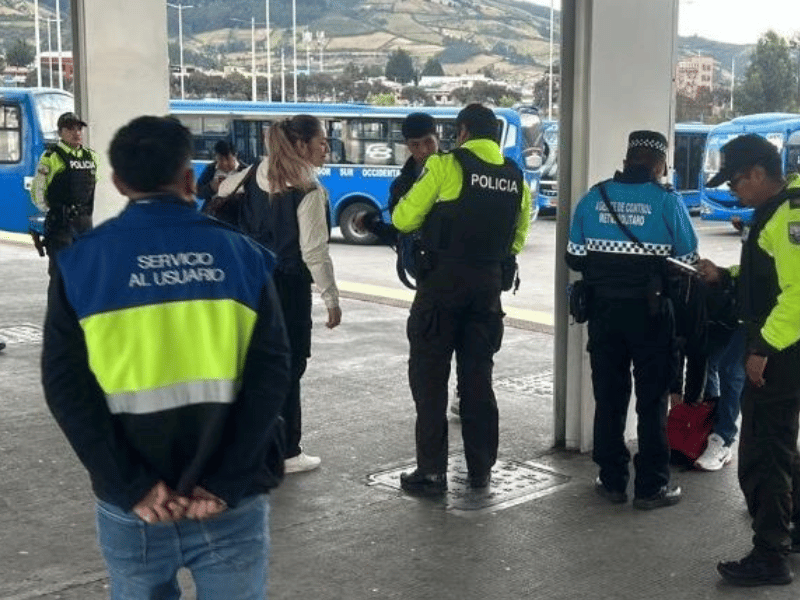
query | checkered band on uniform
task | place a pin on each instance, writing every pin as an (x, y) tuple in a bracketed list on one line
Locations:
[(648, 143), (627, 247), (576, 249)]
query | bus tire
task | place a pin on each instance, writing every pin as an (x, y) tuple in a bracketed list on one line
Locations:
[(347, 224)]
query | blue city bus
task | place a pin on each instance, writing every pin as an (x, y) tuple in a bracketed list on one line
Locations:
[(27, 125), (689, 144), (367, 148), (782, 129), (687, 161)]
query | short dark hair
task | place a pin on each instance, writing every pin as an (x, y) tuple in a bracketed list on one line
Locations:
[(223, 148), (479, 121), (149, 152)]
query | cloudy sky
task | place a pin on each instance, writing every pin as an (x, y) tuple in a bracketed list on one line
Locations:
[(736, 21)]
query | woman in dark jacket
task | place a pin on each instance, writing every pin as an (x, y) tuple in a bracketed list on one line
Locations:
[(286, 209)]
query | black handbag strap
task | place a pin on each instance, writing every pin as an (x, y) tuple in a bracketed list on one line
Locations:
[(621, 225)]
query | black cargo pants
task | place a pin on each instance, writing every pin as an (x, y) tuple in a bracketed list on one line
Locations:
[(456, 309), (621, 333), (769, 464)]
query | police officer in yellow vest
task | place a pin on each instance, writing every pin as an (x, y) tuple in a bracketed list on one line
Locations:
[(472, 208), (768, 293), (64, 185)]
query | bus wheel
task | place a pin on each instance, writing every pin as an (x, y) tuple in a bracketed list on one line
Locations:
[(347, 224)]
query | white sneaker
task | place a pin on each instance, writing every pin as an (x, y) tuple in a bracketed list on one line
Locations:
[(715, 456), (301, 462)]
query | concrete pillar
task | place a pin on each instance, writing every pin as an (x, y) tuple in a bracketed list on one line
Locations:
[(121, 71), (616, 76)]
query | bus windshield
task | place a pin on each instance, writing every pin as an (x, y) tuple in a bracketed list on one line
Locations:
[(532, 138), (48, 108)]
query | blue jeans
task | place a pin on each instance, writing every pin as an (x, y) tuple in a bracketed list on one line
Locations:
[(726, 378), (227, 554)]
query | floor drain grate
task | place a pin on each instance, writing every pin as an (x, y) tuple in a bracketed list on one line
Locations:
[(512, 483), (25, 333)]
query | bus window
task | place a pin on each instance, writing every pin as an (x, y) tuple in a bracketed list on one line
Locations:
[(369, 142), (447, 132), (10, 134), (793, 153), (248, 139)]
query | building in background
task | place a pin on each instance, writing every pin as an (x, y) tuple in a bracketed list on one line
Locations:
[(693, 73)]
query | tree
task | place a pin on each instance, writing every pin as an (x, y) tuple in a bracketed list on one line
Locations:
[(489, 93), (20, 54), (769, 80), (400, 67), (432, 68), (416, 96)]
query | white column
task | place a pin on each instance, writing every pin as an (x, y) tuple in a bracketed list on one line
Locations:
[(254, 84), (37, 37), (294, 45), (269, 57), (58, 45), (617, 60), (121, 72)]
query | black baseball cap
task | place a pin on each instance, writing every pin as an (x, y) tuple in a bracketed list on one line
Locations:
[(417, 125), (68, 119), (743, 153)]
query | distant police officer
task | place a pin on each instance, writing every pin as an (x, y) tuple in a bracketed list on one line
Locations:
[(472, 208), (64, 185), (630, 318), (768, 286)]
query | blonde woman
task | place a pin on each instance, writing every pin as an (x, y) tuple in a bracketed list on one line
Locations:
[(286, 209)]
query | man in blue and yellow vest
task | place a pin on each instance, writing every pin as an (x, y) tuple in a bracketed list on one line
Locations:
[(768, 294), (64, 185), (472, 209), (166, 363)]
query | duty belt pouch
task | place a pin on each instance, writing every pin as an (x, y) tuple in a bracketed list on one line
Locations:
[(579, 299)]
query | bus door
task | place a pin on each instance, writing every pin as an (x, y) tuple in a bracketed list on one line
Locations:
[(687, 163)]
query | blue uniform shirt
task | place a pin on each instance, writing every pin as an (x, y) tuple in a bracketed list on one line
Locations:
[(655, 215)]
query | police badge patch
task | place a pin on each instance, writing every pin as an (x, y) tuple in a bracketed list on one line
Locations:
[(794, 232)]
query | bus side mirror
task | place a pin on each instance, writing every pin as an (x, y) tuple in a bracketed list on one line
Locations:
[(533, 161)]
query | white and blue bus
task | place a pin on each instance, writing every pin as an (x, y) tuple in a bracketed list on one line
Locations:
[(782, 129), (367, 148), (27, 125)]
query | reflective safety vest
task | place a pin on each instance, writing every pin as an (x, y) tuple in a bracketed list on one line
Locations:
[(479, 225), (74, 186)]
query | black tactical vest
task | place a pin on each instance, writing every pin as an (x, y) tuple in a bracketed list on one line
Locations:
[(758, 288), (73, 188), (274, 224), (479, 225)]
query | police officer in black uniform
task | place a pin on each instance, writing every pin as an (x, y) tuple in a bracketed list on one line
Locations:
[(630, 317), (64, 185), (768, 298), (472, 208)]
